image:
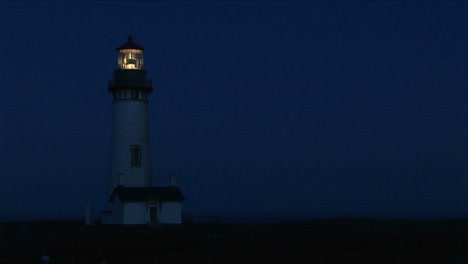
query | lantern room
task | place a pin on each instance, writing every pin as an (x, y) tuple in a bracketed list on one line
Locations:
[(130, 56)]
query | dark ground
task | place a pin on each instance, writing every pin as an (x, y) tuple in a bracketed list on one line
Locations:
[(318, 241)]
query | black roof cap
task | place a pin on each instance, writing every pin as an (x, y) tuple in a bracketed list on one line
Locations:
[(130, 45)]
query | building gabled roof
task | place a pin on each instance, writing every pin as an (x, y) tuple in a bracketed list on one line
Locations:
[(130, 45), (140, 194)]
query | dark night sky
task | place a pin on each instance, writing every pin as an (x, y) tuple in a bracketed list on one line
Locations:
[(261, 108)]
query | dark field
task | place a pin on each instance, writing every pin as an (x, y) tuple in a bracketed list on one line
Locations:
[(319, 241)]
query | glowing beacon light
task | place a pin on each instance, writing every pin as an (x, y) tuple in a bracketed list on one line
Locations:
[(130, 56)]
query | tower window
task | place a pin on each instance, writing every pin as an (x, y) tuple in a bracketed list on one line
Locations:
[(135, 153)]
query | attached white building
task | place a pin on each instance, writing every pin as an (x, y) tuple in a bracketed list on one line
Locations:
[(147, 205)]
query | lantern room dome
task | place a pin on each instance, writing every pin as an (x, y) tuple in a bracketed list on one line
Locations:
[(130, 45)]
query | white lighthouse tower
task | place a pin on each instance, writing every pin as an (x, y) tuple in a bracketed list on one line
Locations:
[(130, 151), (132, 197)]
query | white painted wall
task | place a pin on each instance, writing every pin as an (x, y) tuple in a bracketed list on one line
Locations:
[(130, 127), (134, 213), (137, 213), (170, 213)]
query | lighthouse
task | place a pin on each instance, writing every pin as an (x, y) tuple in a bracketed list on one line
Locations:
[(130, 143), (133, 198)]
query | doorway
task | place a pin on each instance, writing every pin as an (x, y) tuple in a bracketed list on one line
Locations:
[(153, 214)]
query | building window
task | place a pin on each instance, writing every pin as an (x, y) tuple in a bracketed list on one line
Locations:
[(135, 153)]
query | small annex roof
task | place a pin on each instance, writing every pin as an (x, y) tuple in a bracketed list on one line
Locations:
[(139, 194), (130, 45)]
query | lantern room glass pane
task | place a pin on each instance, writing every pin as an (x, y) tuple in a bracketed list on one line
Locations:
[(130, 59)]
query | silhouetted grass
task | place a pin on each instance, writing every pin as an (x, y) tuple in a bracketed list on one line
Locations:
[(317, 241)]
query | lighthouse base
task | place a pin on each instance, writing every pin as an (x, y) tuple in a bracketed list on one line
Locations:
[(145, 205)]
